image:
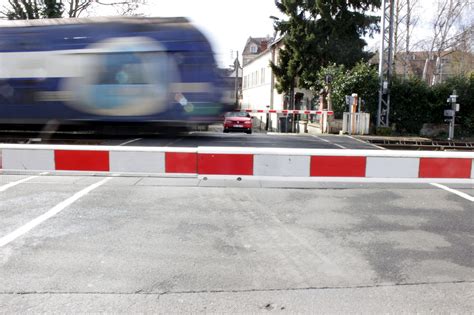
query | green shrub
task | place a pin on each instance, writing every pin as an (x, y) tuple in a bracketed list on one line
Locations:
[(412, 101), (383, 131), (361, 79)]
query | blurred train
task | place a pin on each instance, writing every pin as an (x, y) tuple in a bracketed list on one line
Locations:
[(108, 71)]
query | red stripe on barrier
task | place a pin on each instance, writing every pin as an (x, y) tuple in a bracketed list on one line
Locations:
[(248, 110), (74, 160), (179, 162), (260, 111), (319, 112), (225, 164), (330, 113), (445, 168), (272, 111), (307, 112), (340, 166)]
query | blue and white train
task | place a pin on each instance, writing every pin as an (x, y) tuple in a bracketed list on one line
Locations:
[(108, 70)]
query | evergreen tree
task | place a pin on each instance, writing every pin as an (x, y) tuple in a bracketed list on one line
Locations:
[(318, 33)]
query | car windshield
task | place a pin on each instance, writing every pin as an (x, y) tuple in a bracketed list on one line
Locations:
[(237, 114)]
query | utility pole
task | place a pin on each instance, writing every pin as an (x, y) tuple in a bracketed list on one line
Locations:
[(237, 70), (385, 63), (272, 82)]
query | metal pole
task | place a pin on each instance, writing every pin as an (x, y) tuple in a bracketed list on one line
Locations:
[(237, 66), (385, 63), (272, 86), (453, 99)]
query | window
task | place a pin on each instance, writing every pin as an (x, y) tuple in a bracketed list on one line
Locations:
[(122, 68), (256, 78), (262, 76), (253, 49)]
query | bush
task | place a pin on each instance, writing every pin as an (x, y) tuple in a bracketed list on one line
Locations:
[(414, 103), (361, 79), (411, 105), (383, 131), (465, 89)]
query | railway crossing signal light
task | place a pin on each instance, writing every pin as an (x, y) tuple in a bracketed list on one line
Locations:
[(451, 113)]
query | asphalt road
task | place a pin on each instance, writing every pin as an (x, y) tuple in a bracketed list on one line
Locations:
[(261, 140), (214, 137), (74, 244)]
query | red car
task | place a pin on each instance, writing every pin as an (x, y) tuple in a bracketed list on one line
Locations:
[(238, 121)]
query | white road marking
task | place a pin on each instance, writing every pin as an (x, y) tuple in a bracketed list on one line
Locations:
[(50, 213), (382, 148), (454, 191), (337, 145), (130, 141), (12, 184), (174, 141)]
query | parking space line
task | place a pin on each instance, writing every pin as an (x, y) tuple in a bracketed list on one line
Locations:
[(12, 184), (454, 191), (130, 141), (50, 213)]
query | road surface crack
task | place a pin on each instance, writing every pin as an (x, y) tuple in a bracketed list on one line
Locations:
[(143, 292)]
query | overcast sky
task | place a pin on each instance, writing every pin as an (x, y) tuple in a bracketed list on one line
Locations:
[(228, 23)]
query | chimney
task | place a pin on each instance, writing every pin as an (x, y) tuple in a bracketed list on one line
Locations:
[(263, 45)]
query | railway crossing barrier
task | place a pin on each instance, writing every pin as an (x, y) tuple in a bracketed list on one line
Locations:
[(283, 124), (241, 162)]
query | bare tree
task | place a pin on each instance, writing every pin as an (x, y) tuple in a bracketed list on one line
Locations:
[(447, 15), (36, 9), (406, 19), (76, 8)]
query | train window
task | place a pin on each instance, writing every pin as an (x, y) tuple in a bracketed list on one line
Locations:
[(122, 68)]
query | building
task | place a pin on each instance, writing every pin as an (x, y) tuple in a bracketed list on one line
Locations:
[(254, 47), (258, 81), (438, 69)]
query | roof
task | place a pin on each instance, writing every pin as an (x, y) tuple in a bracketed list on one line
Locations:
[(259, 41), (271, 44)]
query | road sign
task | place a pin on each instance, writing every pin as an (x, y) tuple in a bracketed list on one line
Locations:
[(448, 112)]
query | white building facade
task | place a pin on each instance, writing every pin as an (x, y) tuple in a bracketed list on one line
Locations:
[(258, 85)]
